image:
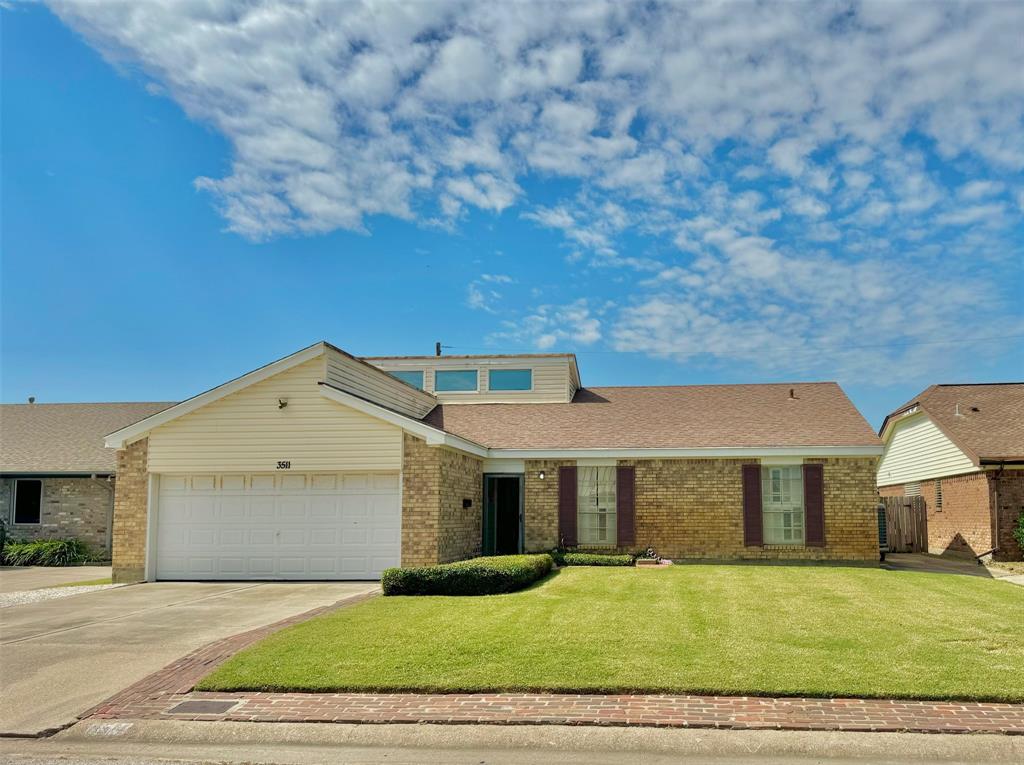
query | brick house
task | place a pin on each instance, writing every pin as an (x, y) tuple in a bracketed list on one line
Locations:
[(961, 448), (56, 476), (326, 466)]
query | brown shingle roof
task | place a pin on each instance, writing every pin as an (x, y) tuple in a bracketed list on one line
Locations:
[(994, 432), (64, 438), (680, 417)]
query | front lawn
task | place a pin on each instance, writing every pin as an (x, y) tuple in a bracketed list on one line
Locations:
[(765, 630)]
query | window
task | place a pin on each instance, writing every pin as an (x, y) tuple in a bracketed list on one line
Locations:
[(510, 379), (454, 380), (782, 504), (28, 497), (595, 506), (415, 379)]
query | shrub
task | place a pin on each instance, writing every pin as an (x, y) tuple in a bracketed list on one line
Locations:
[(1018, 533), (594, 559), (45, 552), (477, 576)]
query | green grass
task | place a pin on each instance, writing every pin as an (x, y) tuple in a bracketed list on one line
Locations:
[(83, 583), (758, 630)]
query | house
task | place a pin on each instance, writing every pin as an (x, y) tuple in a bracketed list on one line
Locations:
[(961, 448), (56, 477), (326, 466)]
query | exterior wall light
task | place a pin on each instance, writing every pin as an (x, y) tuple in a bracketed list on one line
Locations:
[(540, 475)]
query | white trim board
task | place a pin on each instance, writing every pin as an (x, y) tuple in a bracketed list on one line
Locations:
[(723, 451)]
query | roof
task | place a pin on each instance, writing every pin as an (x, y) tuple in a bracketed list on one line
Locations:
[(985, 421), (671, 417), (64, 438)]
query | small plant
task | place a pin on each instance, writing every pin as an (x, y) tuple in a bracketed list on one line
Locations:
[(649, 554), (45, 552), (595, 559), (1018, 533)]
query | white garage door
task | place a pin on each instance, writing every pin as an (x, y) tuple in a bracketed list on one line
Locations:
[(278, 526)]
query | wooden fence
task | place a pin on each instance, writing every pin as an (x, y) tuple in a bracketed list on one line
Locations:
[(907, 522)]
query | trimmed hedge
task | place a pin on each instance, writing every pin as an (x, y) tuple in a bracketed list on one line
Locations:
[(594, 559), (45, 552), (477, 576)]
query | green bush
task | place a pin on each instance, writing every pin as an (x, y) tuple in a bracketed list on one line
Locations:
[(45, 552), (1018, 533), (595, 559), (478, 576)]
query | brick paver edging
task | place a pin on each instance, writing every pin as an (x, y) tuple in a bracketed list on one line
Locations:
[(155, 696)]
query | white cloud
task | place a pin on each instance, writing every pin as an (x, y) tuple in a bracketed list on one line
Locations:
[(734, 176), (980, 189)]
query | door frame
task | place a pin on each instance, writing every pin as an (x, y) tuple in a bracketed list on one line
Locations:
[(522, 508)]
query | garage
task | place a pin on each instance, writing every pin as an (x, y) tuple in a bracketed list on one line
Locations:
[(237, 526)]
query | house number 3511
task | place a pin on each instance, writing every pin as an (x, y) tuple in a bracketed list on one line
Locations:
[(284, 464)]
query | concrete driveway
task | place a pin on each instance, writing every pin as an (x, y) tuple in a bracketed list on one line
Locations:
[(61, 657), (20, 578)]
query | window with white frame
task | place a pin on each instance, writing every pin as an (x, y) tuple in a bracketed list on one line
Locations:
[(595, 506), (455, 380), (28, 501), (782, 504)]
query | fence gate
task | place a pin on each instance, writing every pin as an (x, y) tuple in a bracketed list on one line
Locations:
[(907, 521)]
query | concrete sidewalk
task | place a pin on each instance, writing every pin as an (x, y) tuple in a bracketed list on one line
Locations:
[(933, 564), (135, 742), (21, 578), (62, 657)]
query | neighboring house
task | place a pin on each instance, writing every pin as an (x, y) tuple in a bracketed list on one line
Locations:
[(56, 476), (325, 466), (961, 448)]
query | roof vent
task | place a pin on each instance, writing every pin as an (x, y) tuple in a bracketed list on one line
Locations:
[(792, 394), (957, 412), (975, 409), (31, 399)]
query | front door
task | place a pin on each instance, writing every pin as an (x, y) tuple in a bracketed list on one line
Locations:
[(503, 515)]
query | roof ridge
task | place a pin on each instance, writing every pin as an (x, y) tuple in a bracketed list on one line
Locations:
[(82, 403), (710, 385)]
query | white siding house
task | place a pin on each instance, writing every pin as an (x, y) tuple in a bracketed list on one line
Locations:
[(918, 450)]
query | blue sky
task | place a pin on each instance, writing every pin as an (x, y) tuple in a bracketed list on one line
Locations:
[(679, 195)]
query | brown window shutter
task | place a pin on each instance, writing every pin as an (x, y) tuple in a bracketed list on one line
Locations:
[(814, 505), (625, 501), (567, 492), (753, 529)]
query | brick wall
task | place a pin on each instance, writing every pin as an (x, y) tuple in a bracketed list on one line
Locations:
[(71, 507), (461, 532), (540, 504), (435, 526), (1008, 498), (130, 504), (692, 508), (962, 527)]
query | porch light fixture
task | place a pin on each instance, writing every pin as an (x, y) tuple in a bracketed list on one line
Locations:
[(540, 475)]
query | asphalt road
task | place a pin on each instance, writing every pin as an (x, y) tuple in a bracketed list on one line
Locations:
[(305, 744)]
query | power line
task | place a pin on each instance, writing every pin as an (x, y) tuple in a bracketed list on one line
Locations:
[(804, 347)]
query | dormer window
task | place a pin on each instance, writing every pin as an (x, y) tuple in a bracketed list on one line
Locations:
[(455, 380), (510, 379), (413, 378)]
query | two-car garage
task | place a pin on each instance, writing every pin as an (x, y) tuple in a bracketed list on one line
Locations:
[(287, 525)]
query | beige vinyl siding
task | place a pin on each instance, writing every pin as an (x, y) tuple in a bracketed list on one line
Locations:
[(917, 450), (361, 379), (552, 378), (248, 432)]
